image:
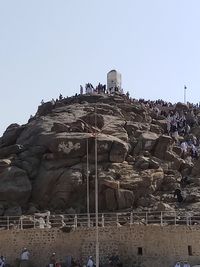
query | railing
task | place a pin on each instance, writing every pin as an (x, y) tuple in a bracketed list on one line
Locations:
[(69, 221)]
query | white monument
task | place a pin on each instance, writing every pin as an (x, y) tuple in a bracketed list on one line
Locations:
[(114, 81)]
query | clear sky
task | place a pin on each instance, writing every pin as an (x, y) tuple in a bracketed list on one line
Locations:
[(49, 47)]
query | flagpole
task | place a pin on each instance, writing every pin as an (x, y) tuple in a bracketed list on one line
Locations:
[(185, 88), (88, 186), (96, 196)]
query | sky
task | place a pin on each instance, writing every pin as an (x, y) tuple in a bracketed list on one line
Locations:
[(48, 47)]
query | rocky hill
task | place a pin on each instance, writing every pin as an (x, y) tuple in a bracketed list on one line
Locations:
[(43, 163)]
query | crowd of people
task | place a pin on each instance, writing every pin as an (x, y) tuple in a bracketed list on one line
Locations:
[(179, 124), (182, 264), (112, 261), (69, 261), (99, 89), (90, 89)]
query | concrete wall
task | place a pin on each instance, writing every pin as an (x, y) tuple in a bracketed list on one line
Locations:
[(161, 246)]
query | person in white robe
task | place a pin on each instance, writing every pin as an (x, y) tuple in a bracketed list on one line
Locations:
[(90, 262), (24, 258), (186, 264), (2, 261)]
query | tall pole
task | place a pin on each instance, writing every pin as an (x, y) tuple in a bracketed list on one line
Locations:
[(96, 198), (185, 88), (88, 187)]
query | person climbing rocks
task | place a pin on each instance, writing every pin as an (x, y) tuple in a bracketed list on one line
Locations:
[(178, 194)]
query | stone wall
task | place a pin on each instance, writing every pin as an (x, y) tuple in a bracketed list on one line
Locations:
[(137, 245)]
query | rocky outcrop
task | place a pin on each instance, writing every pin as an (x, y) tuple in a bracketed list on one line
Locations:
[(163, 145), (15, 185), (196, 169), (146, 142), (43, 164), (11, 134), (181, 107)]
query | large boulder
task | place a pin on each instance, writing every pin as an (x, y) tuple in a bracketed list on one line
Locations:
[(161, 123), (78, 126), (60, 127), (37, 132), (45, 108), (177, 150), (13, 211), (163, 145), (14, 185), (196, 131), (146, 142), (147, 182), (163, 207), (175, 161), (110, 198), (142, 163), (131, 127), (11, 134), (9, 150), (125, 199), (70, 145), (53, 187), (196, 168), (169, 183), (181, 107), (156, 129), (118, 151), (110, 184), (118, 199), (92, 119), (74, 145)]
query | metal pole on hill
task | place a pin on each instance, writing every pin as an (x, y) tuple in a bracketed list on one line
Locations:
[(88, 187), (96, 197), (185, 88)]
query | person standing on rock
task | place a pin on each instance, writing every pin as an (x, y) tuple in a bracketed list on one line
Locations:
[(24, 258), (81, 90), (178, 194)]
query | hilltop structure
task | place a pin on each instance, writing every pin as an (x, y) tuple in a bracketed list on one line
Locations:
[(114, 82)]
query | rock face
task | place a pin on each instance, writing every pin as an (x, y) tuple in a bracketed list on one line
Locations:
[(163, 146), (14, 185), (146, 142), (43, 164)]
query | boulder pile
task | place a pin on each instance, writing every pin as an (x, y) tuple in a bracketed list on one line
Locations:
[(43, 164)]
